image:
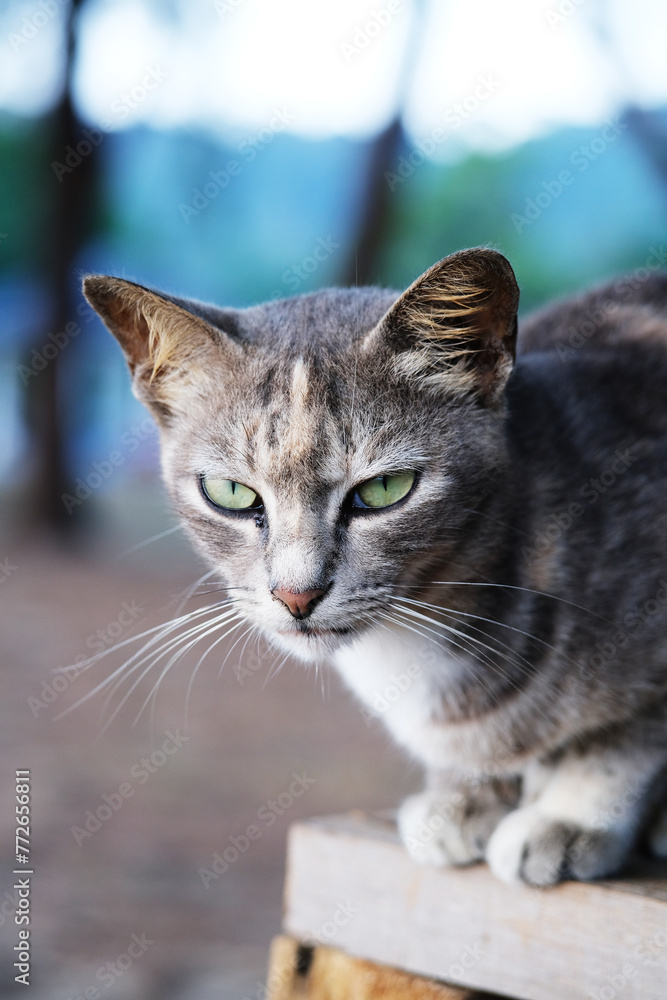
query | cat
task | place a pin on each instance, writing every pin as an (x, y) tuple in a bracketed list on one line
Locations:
[(474, 535)]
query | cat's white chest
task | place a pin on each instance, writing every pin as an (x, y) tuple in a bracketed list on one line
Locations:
[(402, 683)]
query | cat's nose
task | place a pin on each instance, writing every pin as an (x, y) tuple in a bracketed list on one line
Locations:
[(299, 603)]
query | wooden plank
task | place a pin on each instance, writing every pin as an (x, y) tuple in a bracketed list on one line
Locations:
[(320, 973), (350, 884)]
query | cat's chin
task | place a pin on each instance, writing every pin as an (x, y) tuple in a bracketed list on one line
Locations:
[(311, 645)]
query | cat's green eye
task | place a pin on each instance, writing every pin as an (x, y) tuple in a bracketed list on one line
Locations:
[(383, 491), (229, 494)]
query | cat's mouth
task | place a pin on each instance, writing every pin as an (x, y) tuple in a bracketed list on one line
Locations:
[(303, 628), (310, 643)]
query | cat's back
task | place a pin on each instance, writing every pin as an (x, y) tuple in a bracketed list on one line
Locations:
[(627, 310), (591, 376)]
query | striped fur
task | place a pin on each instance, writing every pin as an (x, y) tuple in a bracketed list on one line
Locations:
[(506, 619)]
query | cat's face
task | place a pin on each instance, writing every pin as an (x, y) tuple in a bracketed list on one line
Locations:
[(326, 451)]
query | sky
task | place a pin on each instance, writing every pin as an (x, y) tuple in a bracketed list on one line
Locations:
[(490, 74)]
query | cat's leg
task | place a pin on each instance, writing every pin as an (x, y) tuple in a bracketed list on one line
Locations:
[(451, 821), (578, 819)]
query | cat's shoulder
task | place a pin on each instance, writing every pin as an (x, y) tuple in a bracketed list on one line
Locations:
[(631, 309)]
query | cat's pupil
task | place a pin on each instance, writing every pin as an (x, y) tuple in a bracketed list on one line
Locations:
[(383, 491), (227, 494)]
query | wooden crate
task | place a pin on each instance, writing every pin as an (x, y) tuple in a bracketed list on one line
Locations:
[(298, 972), (351, 886)]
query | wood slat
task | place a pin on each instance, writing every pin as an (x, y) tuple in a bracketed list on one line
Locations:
[(351, 885), (322, 973)]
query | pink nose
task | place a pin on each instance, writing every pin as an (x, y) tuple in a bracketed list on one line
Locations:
[(299, 604)]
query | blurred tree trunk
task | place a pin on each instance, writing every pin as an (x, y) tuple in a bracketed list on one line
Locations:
[(383, 157), (376, 205), (649, 132), (67, 227)]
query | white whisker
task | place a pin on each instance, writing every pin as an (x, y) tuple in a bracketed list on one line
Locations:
[(147, 541), (202, 632), (513, 658), (467, 666), (158, 633)]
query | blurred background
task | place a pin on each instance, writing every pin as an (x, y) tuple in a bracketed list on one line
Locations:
[(236, 151)]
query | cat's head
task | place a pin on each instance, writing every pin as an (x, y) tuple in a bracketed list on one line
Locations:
[(329, 450)]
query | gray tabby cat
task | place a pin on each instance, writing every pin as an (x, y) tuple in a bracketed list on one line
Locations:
[(478, 546)]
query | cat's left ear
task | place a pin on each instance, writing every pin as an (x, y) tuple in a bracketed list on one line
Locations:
[(167, 347), (455, 328)]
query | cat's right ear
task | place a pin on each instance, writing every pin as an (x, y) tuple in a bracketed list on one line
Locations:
[(454, 330), (166, 347)]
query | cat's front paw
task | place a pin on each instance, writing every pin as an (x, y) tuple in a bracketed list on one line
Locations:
[(528, 846), (428, 830), (449, 828)]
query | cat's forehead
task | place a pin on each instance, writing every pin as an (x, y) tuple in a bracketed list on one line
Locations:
[(323, 321), (307, 419), (305, 402)]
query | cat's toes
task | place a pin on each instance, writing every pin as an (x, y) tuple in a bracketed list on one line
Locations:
[(530, 847), (428, 827)]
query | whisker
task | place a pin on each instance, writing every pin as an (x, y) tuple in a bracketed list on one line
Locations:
[(495, 621), (526, 590), (155, 655), (173, 624), (492, 695), (147, 541), (158, 633), (173, 659), (475, 628), (478, 646), (476, 653), (275, 670), (201, 660), (487, 660), (249, 635), (191, 590)]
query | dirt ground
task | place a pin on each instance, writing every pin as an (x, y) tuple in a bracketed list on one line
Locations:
[(126, 903)]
